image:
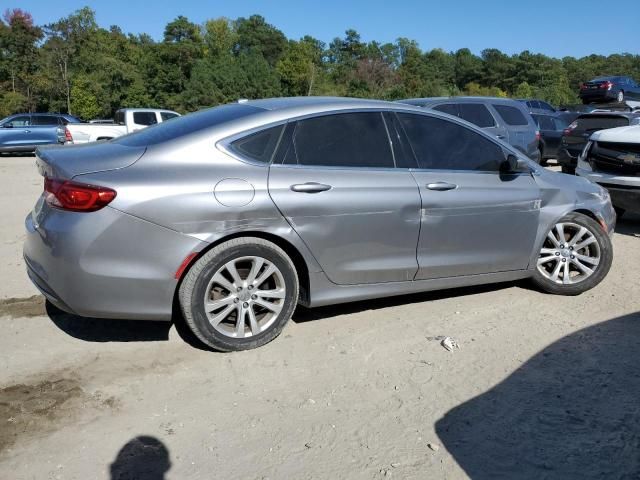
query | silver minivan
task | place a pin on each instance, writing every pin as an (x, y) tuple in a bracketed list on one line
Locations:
[(504, 118)]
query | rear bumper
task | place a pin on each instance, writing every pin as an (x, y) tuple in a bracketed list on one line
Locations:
[(17, 148), (624, 191), (602, 95), (106, 263)]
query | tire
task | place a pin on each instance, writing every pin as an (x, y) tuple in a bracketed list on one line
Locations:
[(579, 281), (260, 325), (541, 160), (568, 170), (620, 96)]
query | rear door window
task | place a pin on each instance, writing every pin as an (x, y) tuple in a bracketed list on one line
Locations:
[(145, 118), (341, 140), (44, 120), (511, 115), (258, 146), (444, 145), (477, 114), (168, 115), (450, 108), (545, 122)]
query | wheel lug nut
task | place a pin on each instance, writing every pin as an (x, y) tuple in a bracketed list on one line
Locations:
[(245, 304), (250, 287), (564, 260), (557, 254), (253, 297), (562, 245), (239, 289), (236, 300), (572, 257), (570, 248)]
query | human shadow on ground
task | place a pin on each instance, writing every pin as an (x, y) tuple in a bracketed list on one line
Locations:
[(141, 458), (570, 412)]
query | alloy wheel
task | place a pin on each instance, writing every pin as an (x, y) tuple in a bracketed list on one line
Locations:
[(569, 255), (244, 297)]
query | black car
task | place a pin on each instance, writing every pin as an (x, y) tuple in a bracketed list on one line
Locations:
[(576, 135), (551, 128), (616, 89)]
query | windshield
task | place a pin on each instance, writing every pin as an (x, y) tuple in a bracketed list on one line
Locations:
[(180, 126)]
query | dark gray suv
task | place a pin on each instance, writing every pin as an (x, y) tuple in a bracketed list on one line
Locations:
[(507, 119)]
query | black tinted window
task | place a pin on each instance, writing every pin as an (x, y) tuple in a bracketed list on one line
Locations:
[(560, 123), (191, 123), (450, 108), (145, 118), (342, 140), (601, 122), (477, 114), (544, 122), (546, 106), (511, 115), (258, 146), (44, 120), (445, 145), (167, 115)]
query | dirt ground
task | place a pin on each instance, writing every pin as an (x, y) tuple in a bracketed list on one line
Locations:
[(542, 387)]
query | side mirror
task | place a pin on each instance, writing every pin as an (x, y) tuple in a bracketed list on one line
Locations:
[(510, 164)]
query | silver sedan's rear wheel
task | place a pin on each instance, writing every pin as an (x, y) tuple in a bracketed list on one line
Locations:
[(240, 294), (575, 256)]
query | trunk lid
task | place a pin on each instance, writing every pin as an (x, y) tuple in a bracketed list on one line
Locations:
[(68, 161)]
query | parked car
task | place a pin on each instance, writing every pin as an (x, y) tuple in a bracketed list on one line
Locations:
[(616, 88), (612, 160), (576, 135), (244, 210), (506, 119), (126, 120), (24, 132), (551, 128), (538, 106)]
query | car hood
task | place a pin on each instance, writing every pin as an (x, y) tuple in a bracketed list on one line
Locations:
[(629, 134), (67, 161), (567, 183)]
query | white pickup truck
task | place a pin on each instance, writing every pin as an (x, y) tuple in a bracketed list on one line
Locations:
[(126, 120)]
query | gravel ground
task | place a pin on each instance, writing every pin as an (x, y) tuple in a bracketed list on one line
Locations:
[(541, 386)]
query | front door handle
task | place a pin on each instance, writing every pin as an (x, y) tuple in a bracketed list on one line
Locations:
[(310, 187), (27, 131), (501, 137), (441, 186)]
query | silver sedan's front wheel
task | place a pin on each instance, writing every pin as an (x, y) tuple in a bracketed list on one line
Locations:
[(575, 256), (240, 294)]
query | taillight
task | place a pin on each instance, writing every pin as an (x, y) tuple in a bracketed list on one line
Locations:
[(537, 135), (67, 135), (76, 197), (572, 126)]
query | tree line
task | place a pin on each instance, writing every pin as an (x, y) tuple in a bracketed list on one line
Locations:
[(74, 65)]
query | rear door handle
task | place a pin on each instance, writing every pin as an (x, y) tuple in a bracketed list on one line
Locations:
[(310, 187), (27, 131), (441, 186), (501, 137)]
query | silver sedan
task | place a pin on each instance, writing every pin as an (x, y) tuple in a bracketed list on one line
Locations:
[(238, 213)]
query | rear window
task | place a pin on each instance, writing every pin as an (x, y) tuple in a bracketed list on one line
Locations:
[(187, 124), (601, 122), (477, 114), (511, 115), (145, 118)]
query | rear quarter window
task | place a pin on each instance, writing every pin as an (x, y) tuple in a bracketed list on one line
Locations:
[(258, 146), (511, 115)]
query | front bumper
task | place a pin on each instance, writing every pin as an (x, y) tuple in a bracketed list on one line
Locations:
[(105, 264), (624, 191)]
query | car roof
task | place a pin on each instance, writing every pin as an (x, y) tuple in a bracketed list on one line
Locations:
[(459, 99), (285, 103)]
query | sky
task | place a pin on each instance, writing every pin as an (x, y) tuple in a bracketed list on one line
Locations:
[(555, 28)]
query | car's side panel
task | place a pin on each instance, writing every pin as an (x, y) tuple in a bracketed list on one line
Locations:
[(486, 224), (363, 230)]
